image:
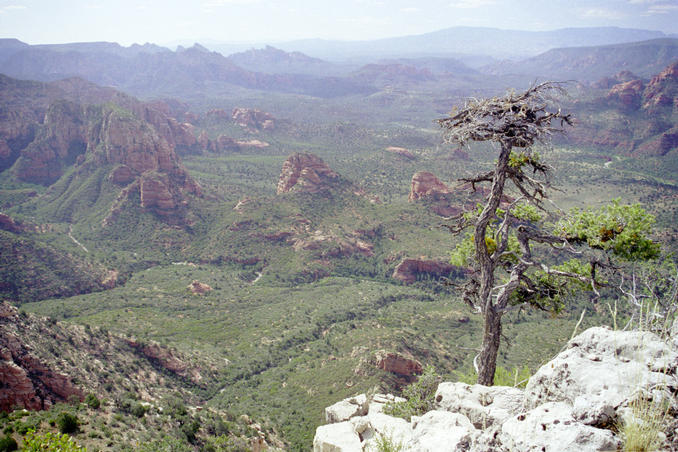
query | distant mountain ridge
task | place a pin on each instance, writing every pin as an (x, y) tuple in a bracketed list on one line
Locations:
[(153, 70), (495, 42), (644, 58)]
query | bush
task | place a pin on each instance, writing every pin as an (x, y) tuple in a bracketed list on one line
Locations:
[(92, 401), (67, 422), (49, 442), (138, 410), (420, 396), (8, 444)]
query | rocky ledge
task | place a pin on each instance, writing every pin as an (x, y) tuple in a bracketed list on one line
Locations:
[(573, 403)]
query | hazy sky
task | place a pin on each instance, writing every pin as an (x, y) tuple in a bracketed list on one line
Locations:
[(168, 21)]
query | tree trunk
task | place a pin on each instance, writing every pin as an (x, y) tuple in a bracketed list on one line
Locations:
[(492, 318), (488, 354)]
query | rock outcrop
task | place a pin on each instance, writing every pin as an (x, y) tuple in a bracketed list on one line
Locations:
[(305, 173), (427, 185), (25, 381), (8, 223), (406, 369), (571, 404), (662, 90), (628, 95), (198, 288), (75, 123), (402, 152), (409, 270), (253, 119), (43, 362)]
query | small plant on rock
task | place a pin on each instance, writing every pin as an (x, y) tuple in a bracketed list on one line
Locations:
[(420, 396), (643, 428), (385, 443)]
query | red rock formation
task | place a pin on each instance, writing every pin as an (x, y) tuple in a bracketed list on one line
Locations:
[(198, 288), (122, 175), (628, 94), (155, 193), (609, 82), (334, 246), (166, 359), (662, 91), (224, 143), (8, 223), (425, 184), (253, 119), (24, 380), (398, 364), (218, 113), (408, 269), (305, 172), (401, 152), (662, 145)]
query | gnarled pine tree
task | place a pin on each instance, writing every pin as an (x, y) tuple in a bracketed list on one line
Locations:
[(510, 231)]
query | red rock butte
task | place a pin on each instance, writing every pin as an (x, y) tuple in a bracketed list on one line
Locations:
[(306, 173)]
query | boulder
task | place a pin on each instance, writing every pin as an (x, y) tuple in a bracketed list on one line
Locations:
[(552, 427), (601, 371), (198, 288), (441, 431), (483, 405), (340, 437), (346, 409)]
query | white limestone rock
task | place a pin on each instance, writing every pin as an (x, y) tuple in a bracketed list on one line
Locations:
[(379, 400), (601, 371), (552, 428), (483, 405), (346, 409), (398, 430), (339, 437), (441, 431)]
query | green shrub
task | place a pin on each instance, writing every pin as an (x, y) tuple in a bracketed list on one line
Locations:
[(420, 396), (385, 443), (67, 422), (49, 442), (92, 401), (138, 410), (8, 444)]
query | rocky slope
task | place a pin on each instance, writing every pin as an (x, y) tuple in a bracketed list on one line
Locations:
[(43, 362), (573, 403), (57, 128), (633, 116)]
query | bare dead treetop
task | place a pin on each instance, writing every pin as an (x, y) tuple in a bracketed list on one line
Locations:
[(515, 119)]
